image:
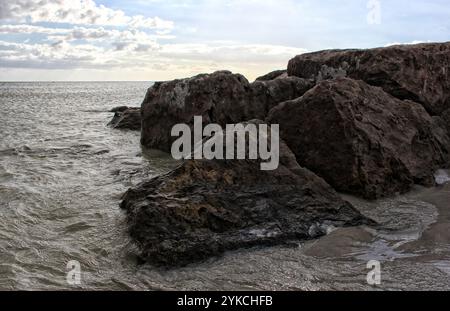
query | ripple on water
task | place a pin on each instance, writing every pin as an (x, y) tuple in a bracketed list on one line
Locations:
[(62, 172)]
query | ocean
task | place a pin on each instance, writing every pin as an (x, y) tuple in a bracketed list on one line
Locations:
[(62, 175)]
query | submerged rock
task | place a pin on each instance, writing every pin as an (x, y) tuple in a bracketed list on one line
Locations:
[(221, 98), (207, 207), (362, 140), (420, 73), (126, 118)]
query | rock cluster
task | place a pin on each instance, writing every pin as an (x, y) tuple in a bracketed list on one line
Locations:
[(416, 72), (365, 141), (367, 122)]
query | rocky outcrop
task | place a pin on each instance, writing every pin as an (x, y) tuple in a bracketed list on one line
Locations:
[(204, 208), (273, 75), (420, 73), (362, 140), (221, 98), (126, 118)]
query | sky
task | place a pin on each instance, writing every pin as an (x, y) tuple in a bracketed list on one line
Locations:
[(154, 40)]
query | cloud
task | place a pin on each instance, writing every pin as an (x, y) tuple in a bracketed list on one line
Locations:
[(29, 29), (76, 12), (116, 38), (170, 60), (230, 52)]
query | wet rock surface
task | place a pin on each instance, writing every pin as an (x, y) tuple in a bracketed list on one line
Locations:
[(126, 118), (204, 208), (420, 73), (362, 140)]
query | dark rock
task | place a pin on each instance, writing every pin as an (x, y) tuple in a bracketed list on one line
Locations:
[(420, 73), (273, 75), (129, 119), (268, 94), (204, 208), (446, 119), (221, 97), (362, 140), (119, 109)]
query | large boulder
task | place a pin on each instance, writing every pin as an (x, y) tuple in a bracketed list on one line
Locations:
[(362, 140), (207, 207), (126, 118), (420, 73), (221, 97)]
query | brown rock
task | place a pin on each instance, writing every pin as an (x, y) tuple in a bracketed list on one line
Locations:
[(360, 139), (446, 119), (420, 73), (119, 109), (204, 208), (129, 118), (221, 97)]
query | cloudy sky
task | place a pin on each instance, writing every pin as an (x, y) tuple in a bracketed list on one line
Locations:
[(166, 39)]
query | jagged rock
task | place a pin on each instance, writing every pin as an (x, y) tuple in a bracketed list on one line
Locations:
[(273, 75), (129, 118), (420, 73), (221, 98), (362, 140), (204, 208)]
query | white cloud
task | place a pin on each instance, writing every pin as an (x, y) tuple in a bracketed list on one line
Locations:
[(76, 12), (171, 60), (231, 52), (85, 36), (29, 29)]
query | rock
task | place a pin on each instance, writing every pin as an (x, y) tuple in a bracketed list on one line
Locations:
[(268, 94), (221, 97), (273, 75), (129, 119), (446, 119), (119, 109), (362, 140), (207, 207), (420, 73)]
